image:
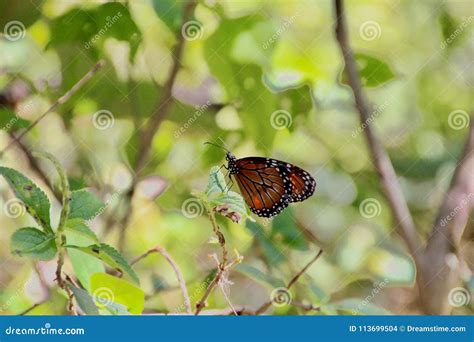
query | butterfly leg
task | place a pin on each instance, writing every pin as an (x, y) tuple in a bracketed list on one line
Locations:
[(231, 182)]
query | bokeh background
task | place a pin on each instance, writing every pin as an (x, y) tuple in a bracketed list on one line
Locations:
[(265, 79)]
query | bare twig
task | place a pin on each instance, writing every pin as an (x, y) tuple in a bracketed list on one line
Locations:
[(166, 99), (222, 266), (30, 308), (36, 167), (58, 102), (177, 270), (266, 305), (388, 179), (157, 116), (438, 276)]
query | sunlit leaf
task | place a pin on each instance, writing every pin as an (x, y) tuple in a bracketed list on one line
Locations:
[(107, 289)]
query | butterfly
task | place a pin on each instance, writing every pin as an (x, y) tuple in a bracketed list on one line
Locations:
[(269, 185)]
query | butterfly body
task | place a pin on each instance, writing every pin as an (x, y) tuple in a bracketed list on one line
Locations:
[(269, 185)]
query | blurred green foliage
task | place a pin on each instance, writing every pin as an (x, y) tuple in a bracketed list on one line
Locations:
[(245, 61)]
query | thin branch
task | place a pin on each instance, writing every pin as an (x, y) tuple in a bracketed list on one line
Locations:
[(156, 117), (388, 179), (58, 102), (266, 305), (449, 225), (166, 98), (36, 167), (177, 270), (30, 308)]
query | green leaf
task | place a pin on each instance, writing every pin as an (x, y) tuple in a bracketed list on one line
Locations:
[(372, 71), (452, 31), (85, 205), (106, 289), (35, 200), (358, 306), (271, 252), (284, 225), (85, 301), (111, 257), (33, 243), (90, 27), (83, 264), (263, 278), (78, 226), (10, 121), (216, 183), (170, 12)]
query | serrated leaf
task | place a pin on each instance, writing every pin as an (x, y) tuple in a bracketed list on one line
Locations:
[(85, 205), (84, 300), (34, 243), (259, 276), (170, 12), (284, 225), (35, 200), (79, 226), (372, 71), (116, 290), (111, 257), (83, 264), (270, 250)]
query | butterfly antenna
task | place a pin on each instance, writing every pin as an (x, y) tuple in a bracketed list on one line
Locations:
[(213, 144)]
